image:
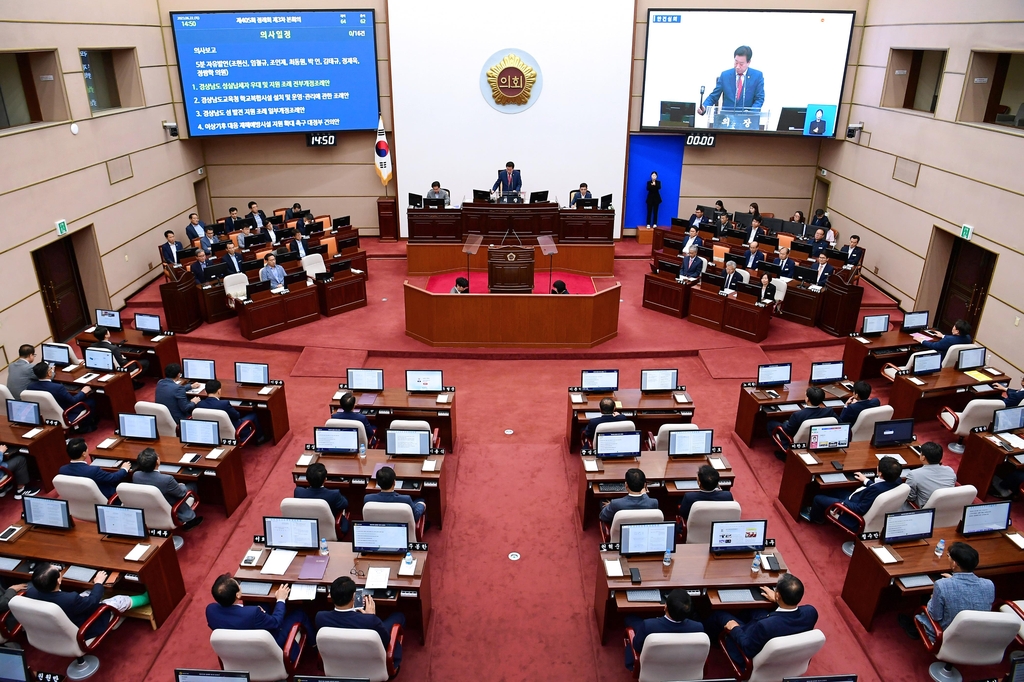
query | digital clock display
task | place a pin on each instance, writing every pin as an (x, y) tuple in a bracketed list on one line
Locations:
[(321, 140)]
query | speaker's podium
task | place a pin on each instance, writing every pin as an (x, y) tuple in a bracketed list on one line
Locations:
[(510, 269)]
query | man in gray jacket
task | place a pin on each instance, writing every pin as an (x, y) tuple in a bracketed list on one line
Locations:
[(146, 474), (927, 479), (19, 372), (636, 497)]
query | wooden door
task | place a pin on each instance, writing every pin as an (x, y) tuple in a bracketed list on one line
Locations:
[(967, 280), (61, 287)]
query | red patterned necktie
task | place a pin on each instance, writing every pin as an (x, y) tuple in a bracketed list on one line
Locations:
[(739, 90)]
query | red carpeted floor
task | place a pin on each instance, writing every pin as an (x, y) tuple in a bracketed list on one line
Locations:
[(496, 619), (575, 284)]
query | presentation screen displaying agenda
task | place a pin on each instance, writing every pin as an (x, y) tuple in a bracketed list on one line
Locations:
[(277, 72), (778, 72)]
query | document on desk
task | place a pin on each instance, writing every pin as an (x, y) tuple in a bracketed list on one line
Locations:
[(919, 337), (1014, 440), (138, 551), (577, 398), (863, 340), (86, 378), (682, 398), (29, 435), (158, 338), (408, 569), (1016, 539), (278, 562), (429, 465), (883, 555), (788, 407), (377, 577), (915, 381), (612, 568), (302, 592), (304, 461), (591, 415), (978, 376), (895, 456), (717, 463), (338, 394), (267, 390), (807, 458), (590, 465), (215, 453), (189, 458), (442, 398), (107, 377)]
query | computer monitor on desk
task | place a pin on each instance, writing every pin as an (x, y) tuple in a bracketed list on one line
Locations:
[(773, 268), (99, 359), (295, 278), (343, 221), (379, 538), (148, 324), (336, 440), (599, 380), (908, 526), (291, 533), (424, 381), (915, 321), (433, 203), (365, 379), (415, 200), (606, 202), (617, 444), (56, 354), (252, 373), (827, 372), (137, 426), (46, 512), (714, 279), (926, 363), (401, 443), (1008, 419), (111, 319), (776, 374), (13, 667), (652, 539), (971, 358), (24, 413), (200, 432), (807, 275), (658, 380), (584, 203), (183, 675), (198, 370), (481, 196), (985, 518), (121, 522), (874, 325), (697, 442), (669, 267), (256, 287), (829, 437), (892, 433), (538, 197), (749, 289), (728, 537)]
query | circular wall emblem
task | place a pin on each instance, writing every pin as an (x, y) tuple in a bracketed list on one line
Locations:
[(510, 81)]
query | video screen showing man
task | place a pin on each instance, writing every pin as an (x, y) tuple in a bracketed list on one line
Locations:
[(740, 87)]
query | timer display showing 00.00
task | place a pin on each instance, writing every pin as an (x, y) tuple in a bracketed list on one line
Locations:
[(698, 140), (321, 140)]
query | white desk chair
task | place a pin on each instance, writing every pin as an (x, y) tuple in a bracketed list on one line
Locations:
[(949, 504), (358, 654), (803, 434), (49, 409), (235, 284), (165, 426), (670, 656), (302, 508), (353, 424), (661, 441), (697, 526), (863, 428), (977, 413), (781, 657), (256, 652), (82, 495), (157, 511), (313, 264), (953, 353), (889, 370), (395, 512), (886, 503), (613, 533), (973, 638)]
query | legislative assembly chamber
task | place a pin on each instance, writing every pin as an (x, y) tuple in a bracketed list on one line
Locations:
[(618, 340)]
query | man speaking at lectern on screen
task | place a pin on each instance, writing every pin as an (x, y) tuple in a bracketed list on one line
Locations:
[(510, 182), (740, 87)]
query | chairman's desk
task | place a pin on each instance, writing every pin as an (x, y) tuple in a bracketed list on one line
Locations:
[(693, 568), (950, 386), (528, 221), (271, 409), (662, 472), (46, 448), (802, 481), (111, 397), (982, 459), (751, 415), (161, 350), (411, 594), (353, 476), (220, 481), (393, 403), (864, 356), (158, 573), (647, 411), (426, 259), (869, 581)]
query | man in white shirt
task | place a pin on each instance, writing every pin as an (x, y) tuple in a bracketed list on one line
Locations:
[(824, 270), (233, 259), (785, 263), (925, 480), (692, 240)]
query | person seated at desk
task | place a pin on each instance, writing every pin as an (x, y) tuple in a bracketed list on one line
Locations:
[(697, 217), (558, 287), (213, 401), (723, 224), (926, 479), (959, 590), (102, 336), (304, 226), (195, 228), (748, 634), (65, 399), (348, 411), (825, 270), (45, 586), (208, 240), (853, 252), (145, 473), (386, 482), (960, 333), (767, 288), (756, 230), (798, 217), (461, 286), (106, 481), (510, 180), (752, 256), (754, 209), (258, 217), (815, 410), (860, 500), (437, 193), (227, 612), (272, 272), (18, 466), (1011, 397), (858, 402), (233, 259), (732, 278), (692, 240), (581, 193), (316, 476), (785, 263), (169, 249), (708, 479), (608, 414), (820, 219), (678, 609), (289, 213), (229, 222), (818, 244), (198, 267), (301, 246), (635, 498), (174, 396), (345, 615), (693, 265), (720, 207), (20, 372)]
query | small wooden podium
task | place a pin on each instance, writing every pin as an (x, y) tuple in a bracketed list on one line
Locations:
[(510, 269)]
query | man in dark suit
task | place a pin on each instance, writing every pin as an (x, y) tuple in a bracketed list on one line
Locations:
[(174, 397), (386, 482), (229, 613), (693, 265), (752, 256), (207, 241), (213, 401), (707, 478), (1012, 397), (676, 620), (195, 228), (144, 472), (229, 222), (256, 215), (582, 193), (820, 219), (692, 239), (697, 217), (635, 498), (347, 411), (345, 615), (723, 224), (608, 414), (198, 267), (738, 87), (510, 180), (300, 245), (169, 249), (819, 244), (756, 230), (860, 500), (316, 476), (290, 213), (748, 634), (853, 252), (815, 410), (860, 401), (102, 335), (824, 270), (785, 263), (960, 333), (106, 481), (232, 259), (732, 278), (45, 586), (65, 399)]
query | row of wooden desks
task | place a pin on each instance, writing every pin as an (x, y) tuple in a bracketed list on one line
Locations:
[(864, 356), (923, 396), (384, 407), (984, 456), (756, 407), (111, 397), (160, 350), (493, 221), (647, 411), (46, 449), (271, 407)]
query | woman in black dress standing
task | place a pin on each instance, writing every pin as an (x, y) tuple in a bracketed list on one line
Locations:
[(653, 199)]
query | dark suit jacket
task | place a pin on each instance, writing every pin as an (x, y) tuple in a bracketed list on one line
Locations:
[(106, 345), (233, 265), (732, 280), (263, 217), (244, 617), (861, 499), (943, 344), (697, 241), (199, 271), (395, 497), (758, 258), (752, 234), (692, 267), (355, 620), (294, 246), (165, 249), (769, 291), (77, 607), (209, 403), (792, 425), (626, 502), (818, 247), (357, 416), (853, 257), (751, 637), (332, 497), (717, 495), (593, 423), (229, 224), (106, 481), (825, 274), (195, 231), (693, 220), (61, 394), (850, 412), (751, 96), (787, 269), (502, 181), (662, 625), (1013, 398), (653, 192), (174, 398), (821, 222)]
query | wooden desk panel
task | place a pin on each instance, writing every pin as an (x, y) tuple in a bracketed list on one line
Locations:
[(135, 344), (743, 318), (801, 306), (112, 397), (47, 449), (750, 416), (647, 411), (863, 361), (596, 260), (435, 225), (344, 293), (492, 221), (269, 313), (982, 458), (586, 225), (665, 295), (392, 403), (907, 397), (707, 307)]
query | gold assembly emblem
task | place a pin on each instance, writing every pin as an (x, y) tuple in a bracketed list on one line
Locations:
[(511, 80), (511, 257)]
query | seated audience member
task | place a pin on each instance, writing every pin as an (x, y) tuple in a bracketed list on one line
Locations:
[(65, 399), (785, 263), (697, 217), (169, 249), (227, 612), (928, 478), (198, 267), (732, 278), (232, 258), (316, 476), (693, 265), (692, 240), (748, 634), (106, 481), (1011, 397), (307, 225), (756, 230), (301, 246), (195, 228), (174, 396), (707, 478), (797, 217), (858, 402), (272, 272), (853, 252), (719, 206), (461, 286), (723, 224), (348, 411), (386, 482), (290, 213), (213, 401), (959, 590), (346, 615), (21, 372), (229, 222), (102, 336), (258, 217), (145, 473), (767, 288), (860, 500), (820, 219), (581, 193), (678, 609), (819, 244), (558, 287), (825, 270), (960, 333), (752, 256), (79, 607), (608, 414), (436, 192), (18, 466), (816, 410), (753, 209), (207, 241), (635, 498)]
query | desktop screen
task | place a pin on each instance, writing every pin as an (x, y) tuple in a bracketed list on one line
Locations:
[(927, 362), (379, 538), (198, 370), (46, 511), (56, 354), (97, 358), (122, 522), (658, 379), (617, 444), (985, 518), (695, 442), (252, 373), (738, 536), (774, 375), (200, 432), (424, 381), (335, 439), (12, 665), (147, 323), (915, 320), (183, 675), (875, 324), (365, 379), (1008, 419), (647, 538), (826, 372), (971, 358), (600, 380), (22, 412), (288, 533), (111, 319), (904, 526), (400, 442), (141, 426), (895, 432), (829, 437)]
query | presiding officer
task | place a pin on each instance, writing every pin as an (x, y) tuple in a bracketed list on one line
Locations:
[(510, 180), (739, 87)]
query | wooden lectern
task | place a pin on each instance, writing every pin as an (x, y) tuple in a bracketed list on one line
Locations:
[(181, 301), (510, 269), (840, 304)]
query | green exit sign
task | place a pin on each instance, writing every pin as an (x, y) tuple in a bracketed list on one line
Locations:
[(62, 227), (966, 232)]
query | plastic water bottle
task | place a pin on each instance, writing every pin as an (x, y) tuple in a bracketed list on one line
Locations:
[(408, 558), (324, 551), (668, 558), (940, 547), (755, 565), (362, 450)]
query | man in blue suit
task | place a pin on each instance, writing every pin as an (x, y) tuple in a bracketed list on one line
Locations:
[(692, 239), (345, 615), (196, 228), (1012, 397), (65, 399), (228, 613), (819, 244), (229, 222), (815, 409), (207, 241), (960, 333), (752, 256), (45, 586), (169, 249), (509, 180), (860, 401), (106, 481), (635, 498), (749, 634), (825, 270), (174, 397), (316, 475), (853, 252), (693, 266), (707, 478), (347, 411), (232, 259), (861, 499), (213, 401), (386, 483), (785, 263), (739, 87), (676, 620)]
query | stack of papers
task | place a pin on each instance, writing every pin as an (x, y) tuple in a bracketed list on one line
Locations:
[(863, 340), (717, 463), (915, 381), (1016, 539), (377, 577), (137, 552), (407, 569), (895, 456), (883, 554), (32, 433), (266, 390), (808, 459), (1013, 439), (304, 461), (215, 453), (978, 376), (302, 592), (612, 568), (107, 443), (278, 562), (590, 465), (429, 465)]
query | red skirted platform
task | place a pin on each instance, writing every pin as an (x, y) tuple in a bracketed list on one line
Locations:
[(576, 284)]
